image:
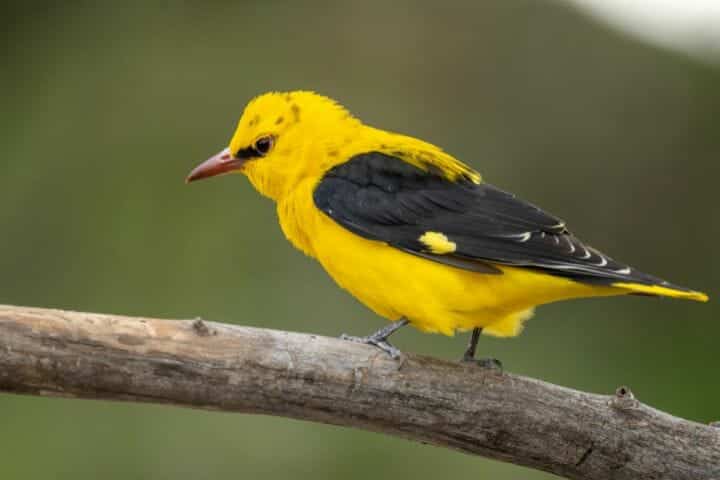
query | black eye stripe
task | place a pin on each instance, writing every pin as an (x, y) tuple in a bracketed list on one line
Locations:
[(247, 153), (261, 147)]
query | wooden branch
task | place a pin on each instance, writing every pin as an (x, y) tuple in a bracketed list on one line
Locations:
[(460, 406)]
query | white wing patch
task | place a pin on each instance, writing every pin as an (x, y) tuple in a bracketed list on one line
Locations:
[(587, 259), (572, 246), (520, 237)]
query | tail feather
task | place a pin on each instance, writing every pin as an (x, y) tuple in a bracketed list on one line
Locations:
[(667, 290)]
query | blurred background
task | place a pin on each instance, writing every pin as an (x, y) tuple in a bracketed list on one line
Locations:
[(608, 121)]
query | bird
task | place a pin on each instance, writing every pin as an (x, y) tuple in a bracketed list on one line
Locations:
[(413, 233)]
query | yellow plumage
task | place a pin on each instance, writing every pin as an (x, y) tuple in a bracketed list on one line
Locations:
[(310, 135)]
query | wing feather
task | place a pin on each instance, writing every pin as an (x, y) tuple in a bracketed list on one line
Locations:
[(381, 197)]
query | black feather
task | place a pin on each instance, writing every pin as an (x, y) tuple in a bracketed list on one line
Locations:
[(381, 197)]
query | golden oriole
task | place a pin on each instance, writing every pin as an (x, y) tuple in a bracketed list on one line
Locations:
[(410, 231)]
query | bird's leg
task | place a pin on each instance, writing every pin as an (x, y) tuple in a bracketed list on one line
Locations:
[(469, 355), (379, 338)]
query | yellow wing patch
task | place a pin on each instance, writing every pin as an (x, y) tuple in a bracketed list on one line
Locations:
[(437, 242)]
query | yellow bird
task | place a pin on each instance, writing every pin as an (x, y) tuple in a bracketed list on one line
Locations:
[(410, 231)]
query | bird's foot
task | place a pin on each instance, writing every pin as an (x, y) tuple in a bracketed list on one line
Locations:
[(489, 363), (376, 341), (379, 338)]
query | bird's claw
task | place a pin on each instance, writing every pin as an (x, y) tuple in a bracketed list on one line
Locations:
[(489, 363), (380, 343)]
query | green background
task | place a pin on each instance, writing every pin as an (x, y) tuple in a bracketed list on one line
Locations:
[(106, 107)]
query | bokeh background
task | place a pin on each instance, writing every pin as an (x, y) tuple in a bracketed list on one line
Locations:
[(107, 106)]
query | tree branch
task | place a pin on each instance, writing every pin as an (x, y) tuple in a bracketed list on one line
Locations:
[(460, 406)]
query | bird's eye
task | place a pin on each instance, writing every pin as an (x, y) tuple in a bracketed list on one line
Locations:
[(264, 144)]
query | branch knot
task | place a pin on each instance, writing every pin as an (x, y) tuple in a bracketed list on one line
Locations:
[(624, 399)]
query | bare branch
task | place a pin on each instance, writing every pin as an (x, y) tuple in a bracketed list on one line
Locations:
[(464, 407)]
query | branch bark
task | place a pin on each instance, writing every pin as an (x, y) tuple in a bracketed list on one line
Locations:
[(479, 411)]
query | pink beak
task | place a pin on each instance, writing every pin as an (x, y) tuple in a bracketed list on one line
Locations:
[(218, 164)]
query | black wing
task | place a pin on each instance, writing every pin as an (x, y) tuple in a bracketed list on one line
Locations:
[(381, 197)]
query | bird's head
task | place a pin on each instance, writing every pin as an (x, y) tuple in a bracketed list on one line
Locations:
[(281, 139)]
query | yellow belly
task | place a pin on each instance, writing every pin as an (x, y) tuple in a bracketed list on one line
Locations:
[(434, 297)]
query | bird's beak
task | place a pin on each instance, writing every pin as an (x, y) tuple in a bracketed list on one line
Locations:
[(223, 162)]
